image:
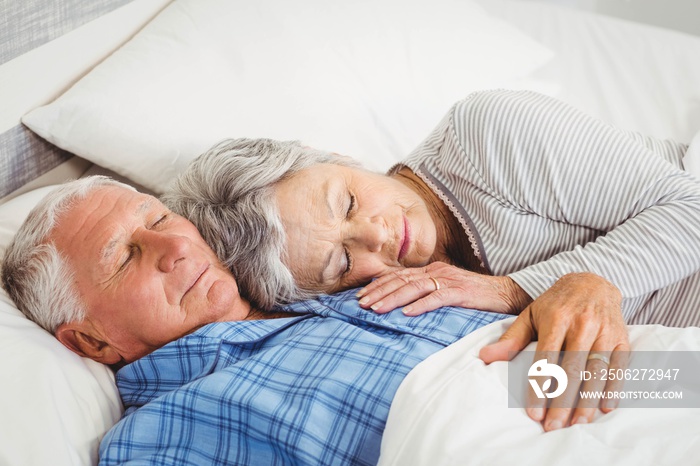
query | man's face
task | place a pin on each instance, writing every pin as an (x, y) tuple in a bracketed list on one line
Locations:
[(145, 274)]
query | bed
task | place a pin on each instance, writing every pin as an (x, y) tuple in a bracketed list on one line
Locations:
[(136, 89)]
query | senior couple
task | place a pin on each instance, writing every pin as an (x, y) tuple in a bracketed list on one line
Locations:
[(515, 204)]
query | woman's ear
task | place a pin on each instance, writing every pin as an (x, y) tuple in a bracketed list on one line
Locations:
[(78, 337)]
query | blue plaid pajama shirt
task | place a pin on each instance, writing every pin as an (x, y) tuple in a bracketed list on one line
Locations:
[(312, 389)]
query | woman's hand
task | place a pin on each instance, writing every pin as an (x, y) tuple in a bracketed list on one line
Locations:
[(424, 289), (580, 313)]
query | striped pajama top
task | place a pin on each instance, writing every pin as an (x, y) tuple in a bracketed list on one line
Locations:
[(542, 190)]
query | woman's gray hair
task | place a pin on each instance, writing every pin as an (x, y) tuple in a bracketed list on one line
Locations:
[(228, 193), (35, 275)]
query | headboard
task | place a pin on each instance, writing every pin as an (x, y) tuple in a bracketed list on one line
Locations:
[(45, 46)]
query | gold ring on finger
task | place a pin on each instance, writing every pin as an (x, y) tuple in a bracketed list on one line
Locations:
[(437, 284), (599, 357)]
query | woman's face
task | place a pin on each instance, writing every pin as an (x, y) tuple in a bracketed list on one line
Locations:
[(346, 226)]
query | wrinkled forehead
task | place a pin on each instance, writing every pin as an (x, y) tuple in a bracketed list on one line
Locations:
[(102, 209), (111, 201)]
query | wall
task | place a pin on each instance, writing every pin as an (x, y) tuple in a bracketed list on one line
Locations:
[(682, 15)]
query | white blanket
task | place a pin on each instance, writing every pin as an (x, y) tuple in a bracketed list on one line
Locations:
[(452, 410)]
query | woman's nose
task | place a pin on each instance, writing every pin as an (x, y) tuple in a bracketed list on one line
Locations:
[(370, 233), (165, 249)]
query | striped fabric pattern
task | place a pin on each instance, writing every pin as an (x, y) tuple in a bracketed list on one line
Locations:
[(27, 24), (314, 389), (549, 190), (25, 157)]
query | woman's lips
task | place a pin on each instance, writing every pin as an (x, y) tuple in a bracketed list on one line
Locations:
[(406, 240)]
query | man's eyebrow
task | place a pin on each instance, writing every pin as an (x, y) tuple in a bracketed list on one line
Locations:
[(144, 206), (108, 250)]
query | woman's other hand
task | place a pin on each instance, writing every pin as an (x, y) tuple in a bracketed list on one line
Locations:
[(580, 313), (423, 289)]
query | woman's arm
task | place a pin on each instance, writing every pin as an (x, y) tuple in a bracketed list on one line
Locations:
[(547, 159), (540, 157)]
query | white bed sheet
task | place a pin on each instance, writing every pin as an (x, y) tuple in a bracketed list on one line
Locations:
[(452, 409), (634, 76)]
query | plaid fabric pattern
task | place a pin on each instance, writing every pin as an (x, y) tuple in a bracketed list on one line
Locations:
[(313, 389)]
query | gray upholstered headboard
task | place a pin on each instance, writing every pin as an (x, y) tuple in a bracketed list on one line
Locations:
[(27, 27)]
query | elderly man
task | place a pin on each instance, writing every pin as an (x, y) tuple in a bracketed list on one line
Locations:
[(114, 275), (120, 279)]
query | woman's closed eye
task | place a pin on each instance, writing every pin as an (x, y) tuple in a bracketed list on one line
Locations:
[(348, 262), (348, 258), (351, 206)]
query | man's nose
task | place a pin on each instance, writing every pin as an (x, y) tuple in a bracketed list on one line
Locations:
[(370, 233), (166, 250)]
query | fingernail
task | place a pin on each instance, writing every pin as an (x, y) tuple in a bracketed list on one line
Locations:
[(376, 306), (536, 413), (364, 300), (581, 420), (407, 310), (554, 425), (360, 293)]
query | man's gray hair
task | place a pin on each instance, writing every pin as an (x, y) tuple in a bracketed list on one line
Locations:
[(228, 193), (35, 275)]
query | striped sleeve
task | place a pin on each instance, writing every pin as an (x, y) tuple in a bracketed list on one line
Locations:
[(542, 157)]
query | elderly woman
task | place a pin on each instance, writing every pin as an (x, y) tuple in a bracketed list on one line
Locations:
[(504, 207)]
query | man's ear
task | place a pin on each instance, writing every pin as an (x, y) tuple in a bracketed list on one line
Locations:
[(79, 338)]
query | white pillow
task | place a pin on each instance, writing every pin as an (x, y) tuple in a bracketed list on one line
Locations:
[(54, 406), (366, 78)]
